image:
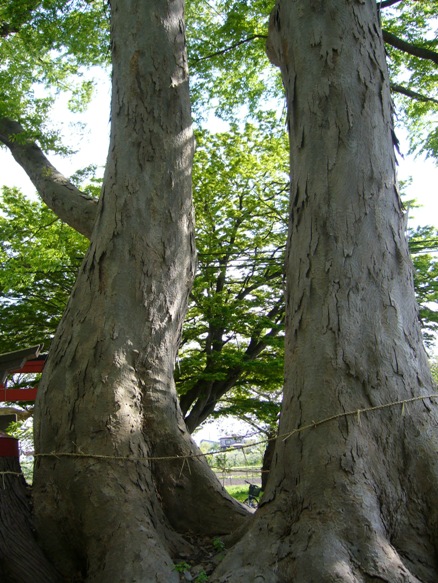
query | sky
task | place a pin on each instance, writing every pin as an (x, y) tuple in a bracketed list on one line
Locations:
[(423, 188), (91, 144)]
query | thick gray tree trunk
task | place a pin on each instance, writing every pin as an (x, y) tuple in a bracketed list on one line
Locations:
[(108, 385), (353, 499)]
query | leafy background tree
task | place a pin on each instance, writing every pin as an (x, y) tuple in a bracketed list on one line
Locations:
[(423, 243), (39, 258), (46, 48), (233, 333), (410, 34)]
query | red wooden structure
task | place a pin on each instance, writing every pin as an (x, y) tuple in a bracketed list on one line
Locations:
[(8, 446), (28, 360)]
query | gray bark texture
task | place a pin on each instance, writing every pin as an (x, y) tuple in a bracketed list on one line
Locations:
[(353, 499), (70, 204), (108, 388)]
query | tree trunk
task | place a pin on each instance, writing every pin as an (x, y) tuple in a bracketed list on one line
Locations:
[(267, 459), (352, 499), (21, 558), (108, 389)]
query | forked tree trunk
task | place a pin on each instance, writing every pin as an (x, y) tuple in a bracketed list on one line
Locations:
[(108, 385), (352, 499)]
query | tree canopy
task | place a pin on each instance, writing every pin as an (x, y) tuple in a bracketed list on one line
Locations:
[(233, 334), (45, 48), (112, 446)]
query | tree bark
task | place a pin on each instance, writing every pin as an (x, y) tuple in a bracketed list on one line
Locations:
[(21, 558), (107, 388), (352, 499), (71, 205)]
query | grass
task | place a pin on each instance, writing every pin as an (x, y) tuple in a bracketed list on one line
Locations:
[(240, 493)]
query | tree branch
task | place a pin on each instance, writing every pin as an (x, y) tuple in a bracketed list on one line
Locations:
[(6, 29), (231, 47), (409, 48), (386, 3), (66, 201), (250, 288), (205, 394), (410, 93)]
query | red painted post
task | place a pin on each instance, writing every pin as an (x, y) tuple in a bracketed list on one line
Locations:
[(16, 395), (8, 446)]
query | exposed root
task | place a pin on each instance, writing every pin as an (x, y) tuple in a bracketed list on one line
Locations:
[(347, 548)]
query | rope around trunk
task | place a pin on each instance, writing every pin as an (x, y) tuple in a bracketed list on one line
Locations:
[(284, 436)]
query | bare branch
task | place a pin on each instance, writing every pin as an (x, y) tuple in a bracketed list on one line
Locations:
[(231, 47), (409, 48), (66, 201), (412, 94), (387, 3)]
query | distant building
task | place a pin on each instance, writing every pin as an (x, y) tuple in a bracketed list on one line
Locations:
[(230, 441)]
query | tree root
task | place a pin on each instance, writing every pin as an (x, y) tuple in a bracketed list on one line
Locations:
[(321, 547)]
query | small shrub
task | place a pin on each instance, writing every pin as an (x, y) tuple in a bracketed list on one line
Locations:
[(181, 567), (218, 545)]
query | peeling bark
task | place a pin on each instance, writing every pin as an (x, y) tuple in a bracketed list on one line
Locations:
[(107, 387), (70, 204), (354, 499)]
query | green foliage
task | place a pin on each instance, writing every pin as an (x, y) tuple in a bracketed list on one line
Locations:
[(23, 431), (423, 244), (184, 568), (233, 332), (229, 67), (39, 259), (222, 462), (237, 459), (181, 567), (218, 545), (415, 23), (45, 48)]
